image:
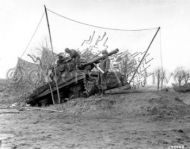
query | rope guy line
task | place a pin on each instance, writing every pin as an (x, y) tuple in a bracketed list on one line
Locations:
[(100, 27), (34, 33)]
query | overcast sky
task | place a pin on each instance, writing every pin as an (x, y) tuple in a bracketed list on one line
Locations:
[(20, 17)]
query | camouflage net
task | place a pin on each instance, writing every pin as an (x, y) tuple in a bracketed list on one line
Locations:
[(89, 41), (27, 76)]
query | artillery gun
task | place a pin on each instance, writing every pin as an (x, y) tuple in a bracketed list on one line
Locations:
[(75, 83)]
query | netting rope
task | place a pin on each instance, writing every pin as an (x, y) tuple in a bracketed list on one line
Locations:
[(34, 33), (108, 28)]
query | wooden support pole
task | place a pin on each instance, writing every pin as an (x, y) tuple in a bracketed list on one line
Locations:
[(51, 43), (144, 55), (52, 97)]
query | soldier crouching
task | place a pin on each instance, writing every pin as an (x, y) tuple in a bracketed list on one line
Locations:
[(74, 56)]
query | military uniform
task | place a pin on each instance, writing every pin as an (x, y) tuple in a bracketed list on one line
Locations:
[(60, 68), (60, 61), (105, 66)]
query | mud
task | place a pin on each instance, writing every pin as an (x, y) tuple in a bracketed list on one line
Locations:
[(148, 120)]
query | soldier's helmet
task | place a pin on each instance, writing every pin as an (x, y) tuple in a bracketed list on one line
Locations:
[(104, 52), (67, 50)]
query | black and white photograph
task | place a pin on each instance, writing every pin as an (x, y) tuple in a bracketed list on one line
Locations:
[(94, 74)]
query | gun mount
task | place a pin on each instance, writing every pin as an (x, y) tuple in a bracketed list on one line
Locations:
[(75, 83), (97, 60)]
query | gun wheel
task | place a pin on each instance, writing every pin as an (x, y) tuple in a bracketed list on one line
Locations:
[(35, 77), (14, 75)]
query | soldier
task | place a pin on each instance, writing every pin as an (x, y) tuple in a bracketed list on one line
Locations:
[(74, 55), (61, 59), (105, 66), (60, 65)]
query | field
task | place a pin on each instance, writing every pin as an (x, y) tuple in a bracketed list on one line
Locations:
[(143, 119)]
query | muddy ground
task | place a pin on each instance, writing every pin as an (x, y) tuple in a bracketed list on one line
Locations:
[(141, 120)]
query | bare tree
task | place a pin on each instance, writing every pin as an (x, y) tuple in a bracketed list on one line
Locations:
[(179, 75), (186, 76), (160, 76)]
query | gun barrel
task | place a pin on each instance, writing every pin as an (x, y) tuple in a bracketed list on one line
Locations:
[(99, 58)]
